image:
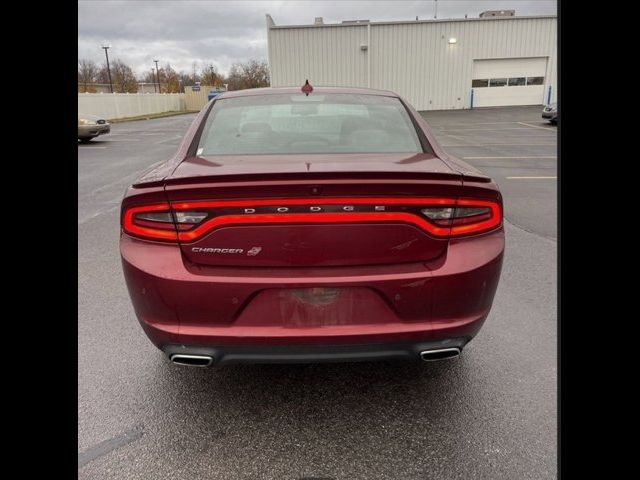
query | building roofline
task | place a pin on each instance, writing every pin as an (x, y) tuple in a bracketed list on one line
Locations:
[(400, 22)]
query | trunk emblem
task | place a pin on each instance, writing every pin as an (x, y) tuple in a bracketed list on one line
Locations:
[(216, 250), (254, 251)]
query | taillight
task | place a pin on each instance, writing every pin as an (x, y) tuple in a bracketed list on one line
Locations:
[(475, 216), (158, 222), (468, 217), (154, 222), (190, 221)]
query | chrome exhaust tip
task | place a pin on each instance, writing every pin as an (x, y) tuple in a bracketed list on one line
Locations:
[(439, 354), (192, 360)]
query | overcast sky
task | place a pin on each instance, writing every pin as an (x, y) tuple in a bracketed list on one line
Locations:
[(224, 32)]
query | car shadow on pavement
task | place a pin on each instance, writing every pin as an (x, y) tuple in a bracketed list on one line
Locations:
[(92, 143), (293, 416), (318, 393)]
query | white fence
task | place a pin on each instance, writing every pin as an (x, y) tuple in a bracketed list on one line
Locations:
[(121, 105)]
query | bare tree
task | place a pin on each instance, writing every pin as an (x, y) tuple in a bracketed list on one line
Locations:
[(170, 78), (210, 76), (149, 76), (87, 72), (186, 79), (251, 74), (122, 76)]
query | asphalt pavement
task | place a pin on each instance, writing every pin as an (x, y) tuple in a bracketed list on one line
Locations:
[(490, 414)]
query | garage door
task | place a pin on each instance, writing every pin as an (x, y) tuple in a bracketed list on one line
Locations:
[(508, 81)]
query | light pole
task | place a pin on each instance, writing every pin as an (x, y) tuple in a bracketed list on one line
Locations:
[(106, 53), (155, 89), (158, 76)]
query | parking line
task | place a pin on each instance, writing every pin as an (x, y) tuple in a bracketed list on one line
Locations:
[(500, 129), (536, 126), (504, 145), (511, 158), (530, 178), (475, 123), (108, 445)]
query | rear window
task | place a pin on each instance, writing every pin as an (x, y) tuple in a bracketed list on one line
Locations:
[(290, 124)]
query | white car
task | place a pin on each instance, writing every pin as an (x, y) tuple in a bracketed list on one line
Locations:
[(550, 112)]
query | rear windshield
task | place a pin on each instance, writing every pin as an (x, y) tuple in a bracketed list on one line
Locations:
[(327, 123)]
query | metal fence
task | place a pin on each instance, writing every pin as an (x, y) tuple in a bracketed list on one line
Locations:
[(122, 105)]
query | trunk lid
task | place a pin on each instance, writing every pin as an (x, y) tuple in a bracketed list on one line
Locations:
[(311, 210)]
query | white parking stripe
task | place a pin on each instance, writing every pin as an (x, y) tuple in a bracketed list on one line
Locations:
[(536, 126), (530, 178), (499, 129), (503, 145), (475, 123), (511, 158)]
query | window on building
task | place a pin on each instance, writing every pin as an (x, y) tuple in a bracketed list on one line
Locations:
[(480, 83), (535, 80), (497, 82), (517, 81)]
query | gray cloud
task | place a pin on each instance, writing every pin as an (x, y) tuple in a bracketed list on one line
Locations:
[(223, 32)]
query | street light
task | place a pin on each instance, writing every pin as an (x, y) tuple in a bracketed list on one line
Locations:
[(106, 47), (155, 89), (158, 75)]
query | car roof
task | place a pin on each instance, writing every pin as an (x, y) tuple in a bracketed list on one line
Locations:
[(289, 90)]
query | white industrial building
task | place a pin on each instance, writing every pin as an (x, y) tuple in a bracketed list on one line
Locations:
[(434, 64)]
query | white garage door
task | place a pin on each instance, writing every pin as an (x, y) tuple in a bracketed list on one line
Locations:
[(508, 81)]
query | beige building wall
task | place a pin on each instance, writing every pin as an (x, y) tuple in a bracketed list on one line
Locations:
[(414, 59), (196, 100)]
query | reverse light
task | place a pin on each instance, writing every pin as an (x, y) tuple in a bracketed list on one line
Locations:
[(190, 217), (435, 213)]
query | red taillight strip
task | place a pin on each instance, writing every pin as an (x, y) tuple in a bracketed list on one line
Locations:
[(297, 218), (291, 218), (152, 233)]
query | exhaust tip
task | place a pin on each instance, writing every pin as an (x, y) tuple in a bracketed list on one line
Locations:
[(440, 354), (192, 360)]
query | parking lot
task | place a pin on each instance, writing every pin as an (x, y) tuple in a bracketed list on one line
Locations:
[(490, 414)]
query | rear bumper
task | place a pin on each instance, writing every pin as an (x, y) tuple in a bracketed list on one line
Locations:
[(226, 309), (223, 355)]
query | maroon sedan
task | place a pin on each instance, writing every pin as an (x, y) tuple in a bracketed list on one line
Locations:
[(317, 225)]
